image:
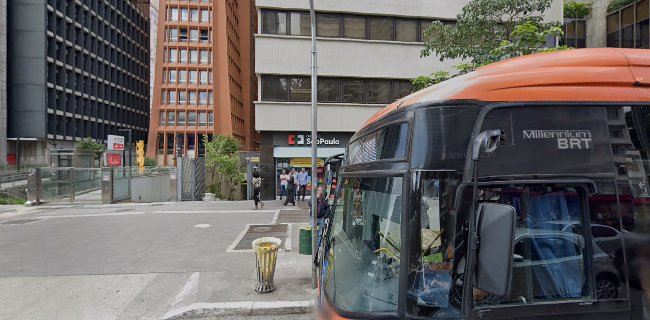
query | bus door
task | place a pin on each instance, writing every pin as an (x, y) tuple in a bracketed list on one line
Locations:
[(560, 270)]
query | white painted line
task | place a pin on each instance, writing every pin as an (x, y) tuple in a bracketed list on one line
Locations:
[(202, 225), (231, 248), (93, 215), (287, 241), (243, 308), (190, 287), (275, 216), (214, 211)]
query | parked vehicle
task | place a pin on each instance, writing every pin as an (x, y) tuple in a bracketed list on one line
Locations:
[(607, 238), (440, 190)]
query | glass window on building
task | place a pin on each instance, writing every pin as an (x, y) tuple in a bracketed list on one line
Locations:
[(379, 91), (380, 28), (328, 25), (171, 118), (194, 56), (182, 35), (210, 98), (204, 57), (184, 14), (193, 98), (274, 22), (300, 89), (181, 118), (163, 97), (353, 91), (401, 88), (194, 77), (191, 118), (329, 90), (172, 97), (203, 77), (643, 24), (354, 27), (203, 119), (203, 98), (205, 15), (210, 119), (406, 30), (172, 76), (274, 88), (162, 118), (182, 97), (182, 76), (205, 36), (300, 24), (173, 34), (424, 25), (194, 35), (173, 14), (173, 55), (194, 15)]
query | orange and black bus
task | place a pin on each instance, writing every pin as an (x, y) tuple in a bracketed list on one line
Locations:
[(517, 191)]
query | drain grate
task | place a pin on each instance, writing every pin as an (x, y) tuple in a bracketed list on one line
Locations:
[(262, 230), (293, 216), (20, 221)]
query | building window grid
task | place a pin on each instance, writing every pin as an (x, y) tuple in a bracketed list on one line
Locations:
[(629, 27), (352, 26)]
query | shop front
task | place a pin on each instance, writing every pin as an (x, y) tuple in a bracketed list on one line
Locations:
[(293, 150)]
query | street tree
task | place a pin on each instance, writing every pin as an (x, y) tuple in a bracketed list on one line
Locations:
[(482, 26), (222, 159), (89, 144)]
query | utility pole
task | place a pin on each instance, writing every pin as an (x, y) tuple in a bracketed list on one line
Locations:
[(314, 138)]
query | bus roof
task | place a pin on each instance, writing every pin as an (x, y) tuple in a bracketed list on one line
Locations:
[(598, 75)]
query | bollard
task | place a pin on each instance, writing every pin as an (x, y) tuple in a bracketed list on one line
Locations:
[(266, 254)]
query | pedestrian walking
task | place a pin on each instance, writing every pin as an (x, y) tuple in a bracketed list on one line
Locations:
[(303, 179), (257, 187), (291, 189), (284, 177)]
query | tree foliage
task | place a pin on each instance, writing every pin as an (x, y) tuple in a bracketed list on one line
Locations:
[(489, 31), (618, 4), (576, 10), (222, 158), (482, 26), (91, 145)]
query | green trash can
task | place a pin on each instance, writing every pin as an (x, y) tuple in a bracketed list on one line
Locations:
[(305, 241)]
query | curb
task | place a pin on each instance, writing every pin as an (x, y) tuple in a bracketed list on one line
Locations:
[(243, 308)]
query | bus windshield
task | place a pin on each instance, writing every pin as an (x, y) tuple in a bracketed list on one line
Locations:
[(365, 238)]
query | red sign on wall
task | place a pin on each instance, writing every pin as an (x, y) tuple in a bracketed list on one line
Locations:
[(114, 160)]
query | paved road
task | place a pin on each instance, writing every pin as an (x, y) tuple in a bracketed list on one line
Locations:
[(134, 261)]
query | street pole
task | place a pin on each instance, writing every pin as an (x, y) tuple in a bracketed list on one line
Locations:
[(314, 138)]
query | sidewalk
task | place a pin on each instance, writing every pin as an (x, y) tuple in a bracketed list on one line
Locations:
[(148, 261)]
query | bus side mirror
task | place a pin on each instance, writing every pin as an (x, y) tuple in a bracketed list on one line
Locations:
[(496, 230), (485, 142)]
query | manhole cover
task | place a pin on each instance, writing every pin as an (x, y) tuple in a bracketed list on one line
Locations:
[(21, 221), (262, 230)]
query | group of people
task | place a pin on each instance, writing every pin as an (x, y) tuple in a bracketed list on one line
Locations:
[(293, 185)]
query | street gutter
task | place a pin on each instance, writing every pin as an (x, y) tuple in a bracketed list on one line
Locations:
[(243, 308)]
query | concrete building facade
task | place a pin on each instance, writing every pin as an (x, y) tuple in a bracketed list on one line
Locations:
[(76, 69), (3, 83), (368, 51), (203, 77), (153, 44)]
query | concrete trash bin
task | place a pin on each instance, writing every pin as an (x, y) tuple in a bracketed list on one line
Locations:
[(266, 254)]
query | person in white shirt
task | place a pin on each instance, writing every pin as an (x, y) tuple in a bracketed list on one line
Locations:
[(284, 178)]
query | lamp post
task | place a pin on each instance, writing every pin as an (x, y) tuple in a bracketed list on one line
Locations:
[(314, 138)]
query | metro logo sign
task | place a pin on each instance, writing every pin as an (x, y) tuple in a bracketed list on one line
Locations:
[(301, 139), (294, 139), (115, 143)]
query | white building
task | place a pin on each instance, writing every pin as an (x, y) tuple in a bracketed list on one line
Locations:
[(368, 51)]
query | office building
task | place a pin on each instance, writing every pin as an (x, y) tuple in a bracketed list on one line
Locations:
[(153, 43), (204, 82), (368, 51), (76, 69)]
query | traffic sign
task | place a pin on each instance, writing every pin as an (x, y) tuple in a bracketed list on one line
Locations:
[(115, 143)]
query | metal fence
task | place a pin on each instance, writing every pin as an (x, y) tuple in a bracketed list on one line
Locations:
[(191, 178), (58, 184)]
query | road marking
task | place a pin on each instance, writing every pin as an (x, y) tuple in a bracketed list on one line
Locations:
[(191, 286), (214, 211), (94, 215), (202, 225), (231, 248), (275, 216)]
